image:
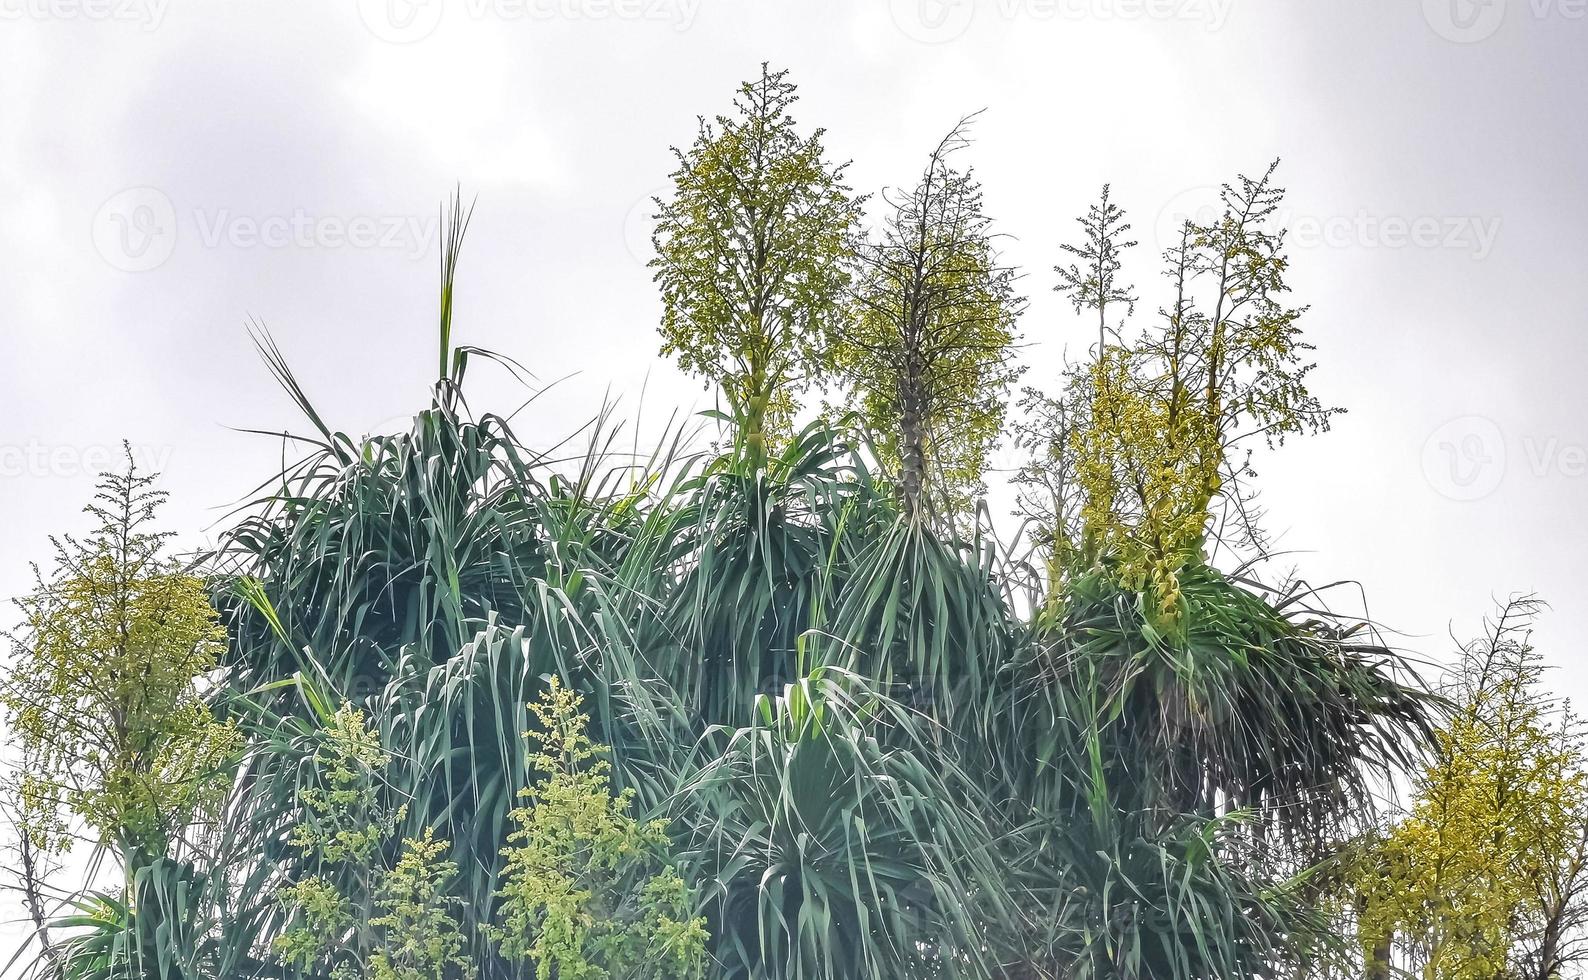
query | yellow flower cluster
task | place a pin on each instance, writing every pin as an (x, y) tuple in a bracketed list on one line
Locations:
[(590, 891), (1507, 798), (1148, 466)]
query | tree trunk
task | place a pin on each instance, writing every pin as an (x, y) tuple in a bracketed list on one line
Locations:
[(757, 396), (1549, 948), (1378, 960), (33, 898), (912, 437)]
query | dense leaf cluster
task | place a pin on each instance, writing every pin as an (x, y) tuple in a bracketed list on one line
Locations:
[(782, 710)]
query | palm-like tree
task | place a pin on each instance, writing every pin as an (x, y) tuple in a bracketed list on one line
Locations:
[(877, 758)]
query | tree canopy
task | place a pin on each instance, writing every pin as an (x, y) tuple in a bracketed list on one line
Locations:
[(105, 691), (752, 255), (930, 344), (442, 705), (1484, 876)]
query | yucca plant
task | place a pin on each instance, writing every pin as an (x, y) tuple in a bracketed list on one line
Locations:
[(1171, 789), (1243, 707), (878, 756), (837, 839), (177, 922), (762, 548)]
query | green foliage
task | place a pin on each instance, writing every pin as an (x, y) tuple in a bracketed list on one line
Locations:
[(881, 746), (342, 820), (422, 938), (437, 574), (930, 342), (752, 255), (1174, 901), (373, 550), (324, 917), (342, 830), (590, 892), (845, 841), (1483, 876), (1165, 788), (172, 922), (1157, 423), (1256, 703), (103, 694), (1051, 493)]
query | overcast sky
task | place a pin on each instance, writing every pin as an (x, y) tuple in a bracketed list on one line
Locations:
[(170, 169)]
